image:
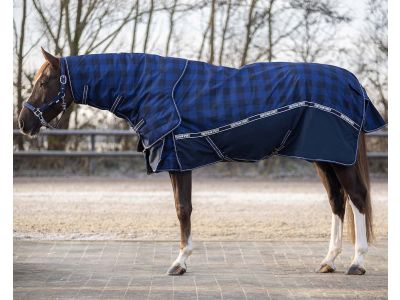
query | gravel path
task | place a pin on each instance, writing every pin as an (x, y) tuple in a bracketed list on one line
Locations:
[(142, 209)]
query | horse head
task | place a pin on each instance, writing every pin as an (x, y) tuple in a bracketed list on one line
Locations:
[(48, 99)]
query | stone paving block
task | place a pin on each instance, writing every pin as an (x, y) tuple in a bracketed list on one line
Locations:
[(113, 293), (92, 292), (232, 270)]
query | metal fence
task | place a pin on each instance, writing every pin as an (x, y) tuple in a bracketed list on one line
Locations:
[(93, 133), (92, 153)]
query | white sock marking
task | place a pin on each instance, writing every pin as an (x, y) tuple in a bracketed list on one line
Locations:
[(361, 245), (335, 244), (184, 253)]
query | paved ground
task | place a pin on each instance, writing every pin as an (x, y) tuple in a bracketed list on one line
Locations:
[(217, 270)]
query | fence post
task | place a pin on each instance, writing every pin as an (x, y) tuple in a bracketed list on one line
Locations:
[(92, 161), (93, 142)]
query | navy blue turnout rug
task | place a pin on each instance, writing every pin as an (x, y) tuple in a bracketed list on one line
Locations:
[(190, 114)]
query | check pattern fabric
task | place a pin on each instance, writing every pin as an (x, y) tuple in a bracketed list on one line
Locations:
[(189, 114), (135, 87), (212, 96)]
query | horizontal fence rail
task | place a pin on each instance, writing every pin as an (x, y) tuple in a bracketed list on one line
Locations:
[(115, 132), (76, 153), (92, 133)]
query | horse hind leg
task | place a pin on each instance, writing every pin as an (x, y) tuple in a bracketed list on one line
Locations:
[(337, 200), (358, 190)]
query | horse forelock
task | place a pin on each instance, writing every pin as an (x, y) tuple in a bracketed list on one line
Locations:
[(41, 71)]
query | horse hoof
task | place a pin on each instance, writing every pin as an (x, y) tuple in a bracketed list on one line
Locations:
[(176, 270), (325, 268), (355, 270)]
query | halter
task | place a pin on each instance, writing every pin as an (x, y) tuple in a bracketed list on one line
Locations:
[(39, 111)]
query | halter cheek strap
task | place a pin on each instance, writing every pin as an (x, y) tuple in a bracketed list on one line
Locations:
[(39, 111)]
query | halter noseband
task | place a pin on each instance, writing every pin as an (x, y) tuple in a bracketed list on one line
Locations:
[(39, 111)]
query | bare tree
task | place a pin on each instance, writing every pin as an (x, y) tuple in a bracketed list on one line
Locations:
[(135, 24), (314, 38), (171, 13), (371, 56), (80, 27), (22, 48), (270, 29), (200, 54), (225, 30), (19, 49), (249, 32), (53, 30), (147, 35), (212, 32)]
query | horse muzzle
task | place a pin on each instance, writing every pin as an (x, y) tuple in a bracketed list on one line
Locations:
[(28, 123)]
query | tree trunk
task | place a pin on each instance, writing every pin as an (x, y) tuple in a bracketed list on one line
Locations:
[(148, 26), (270, 30), (212, 32), (248, 32), (171, 27), (203, 41), (224, 30), (135, 24), (20, 62), (60, 142)]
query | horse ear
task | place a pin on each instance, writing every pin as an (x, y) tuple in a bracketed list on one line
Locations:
[(54, 61)]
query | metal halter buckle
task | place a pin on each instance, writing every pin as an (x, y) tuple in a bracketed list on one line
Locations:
[(38, 113), (63, 79)]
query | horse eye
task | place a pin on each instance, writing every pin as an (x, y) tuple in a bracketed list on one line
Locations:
[(43, 83)]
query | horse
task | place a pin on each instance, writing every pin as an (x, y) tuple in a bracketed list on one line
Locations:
[(347, 185)]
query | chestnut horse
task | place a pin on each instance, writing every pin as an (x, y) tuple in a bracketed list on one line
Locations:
[(344, 184)]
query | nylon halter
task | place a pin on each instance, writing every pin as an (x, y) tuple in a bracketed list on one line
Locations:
[(39, 111)]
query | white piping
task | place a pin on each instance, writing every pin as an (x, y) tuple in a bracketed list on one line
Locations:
[(115, 103), (265, 115), (216, 149), (176, 152), (85, 91), (70, 81), (138, 125), (176, 108)]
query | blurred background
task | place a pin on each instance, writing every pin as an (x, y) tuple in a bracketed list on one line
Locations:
[(76, 182), (349, 34)]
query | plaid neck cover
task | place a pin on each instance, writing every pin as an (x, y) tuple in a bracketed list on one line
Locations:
[(190, 114)]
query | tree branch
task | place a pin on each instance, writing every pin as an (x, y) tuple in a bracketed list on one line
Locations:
[(39, 9), (113, 33)]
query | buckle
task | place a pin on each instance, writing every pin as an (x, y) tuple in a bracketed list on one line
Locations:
[(63, 79), (37, 113)]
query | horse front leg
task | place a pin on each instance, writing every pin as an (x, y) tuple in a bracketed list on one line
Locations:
[(182, 187)]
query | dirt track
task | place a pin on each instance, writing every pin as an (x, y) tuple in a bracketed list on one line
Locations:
[(142, 209)]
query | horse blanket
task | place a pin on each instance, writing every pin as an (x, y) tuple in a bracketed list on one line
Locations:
[(190, 114)]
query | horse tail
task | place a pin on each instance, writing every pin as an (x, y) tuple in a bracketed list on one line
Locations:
[(363, 174), (350, 221)]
